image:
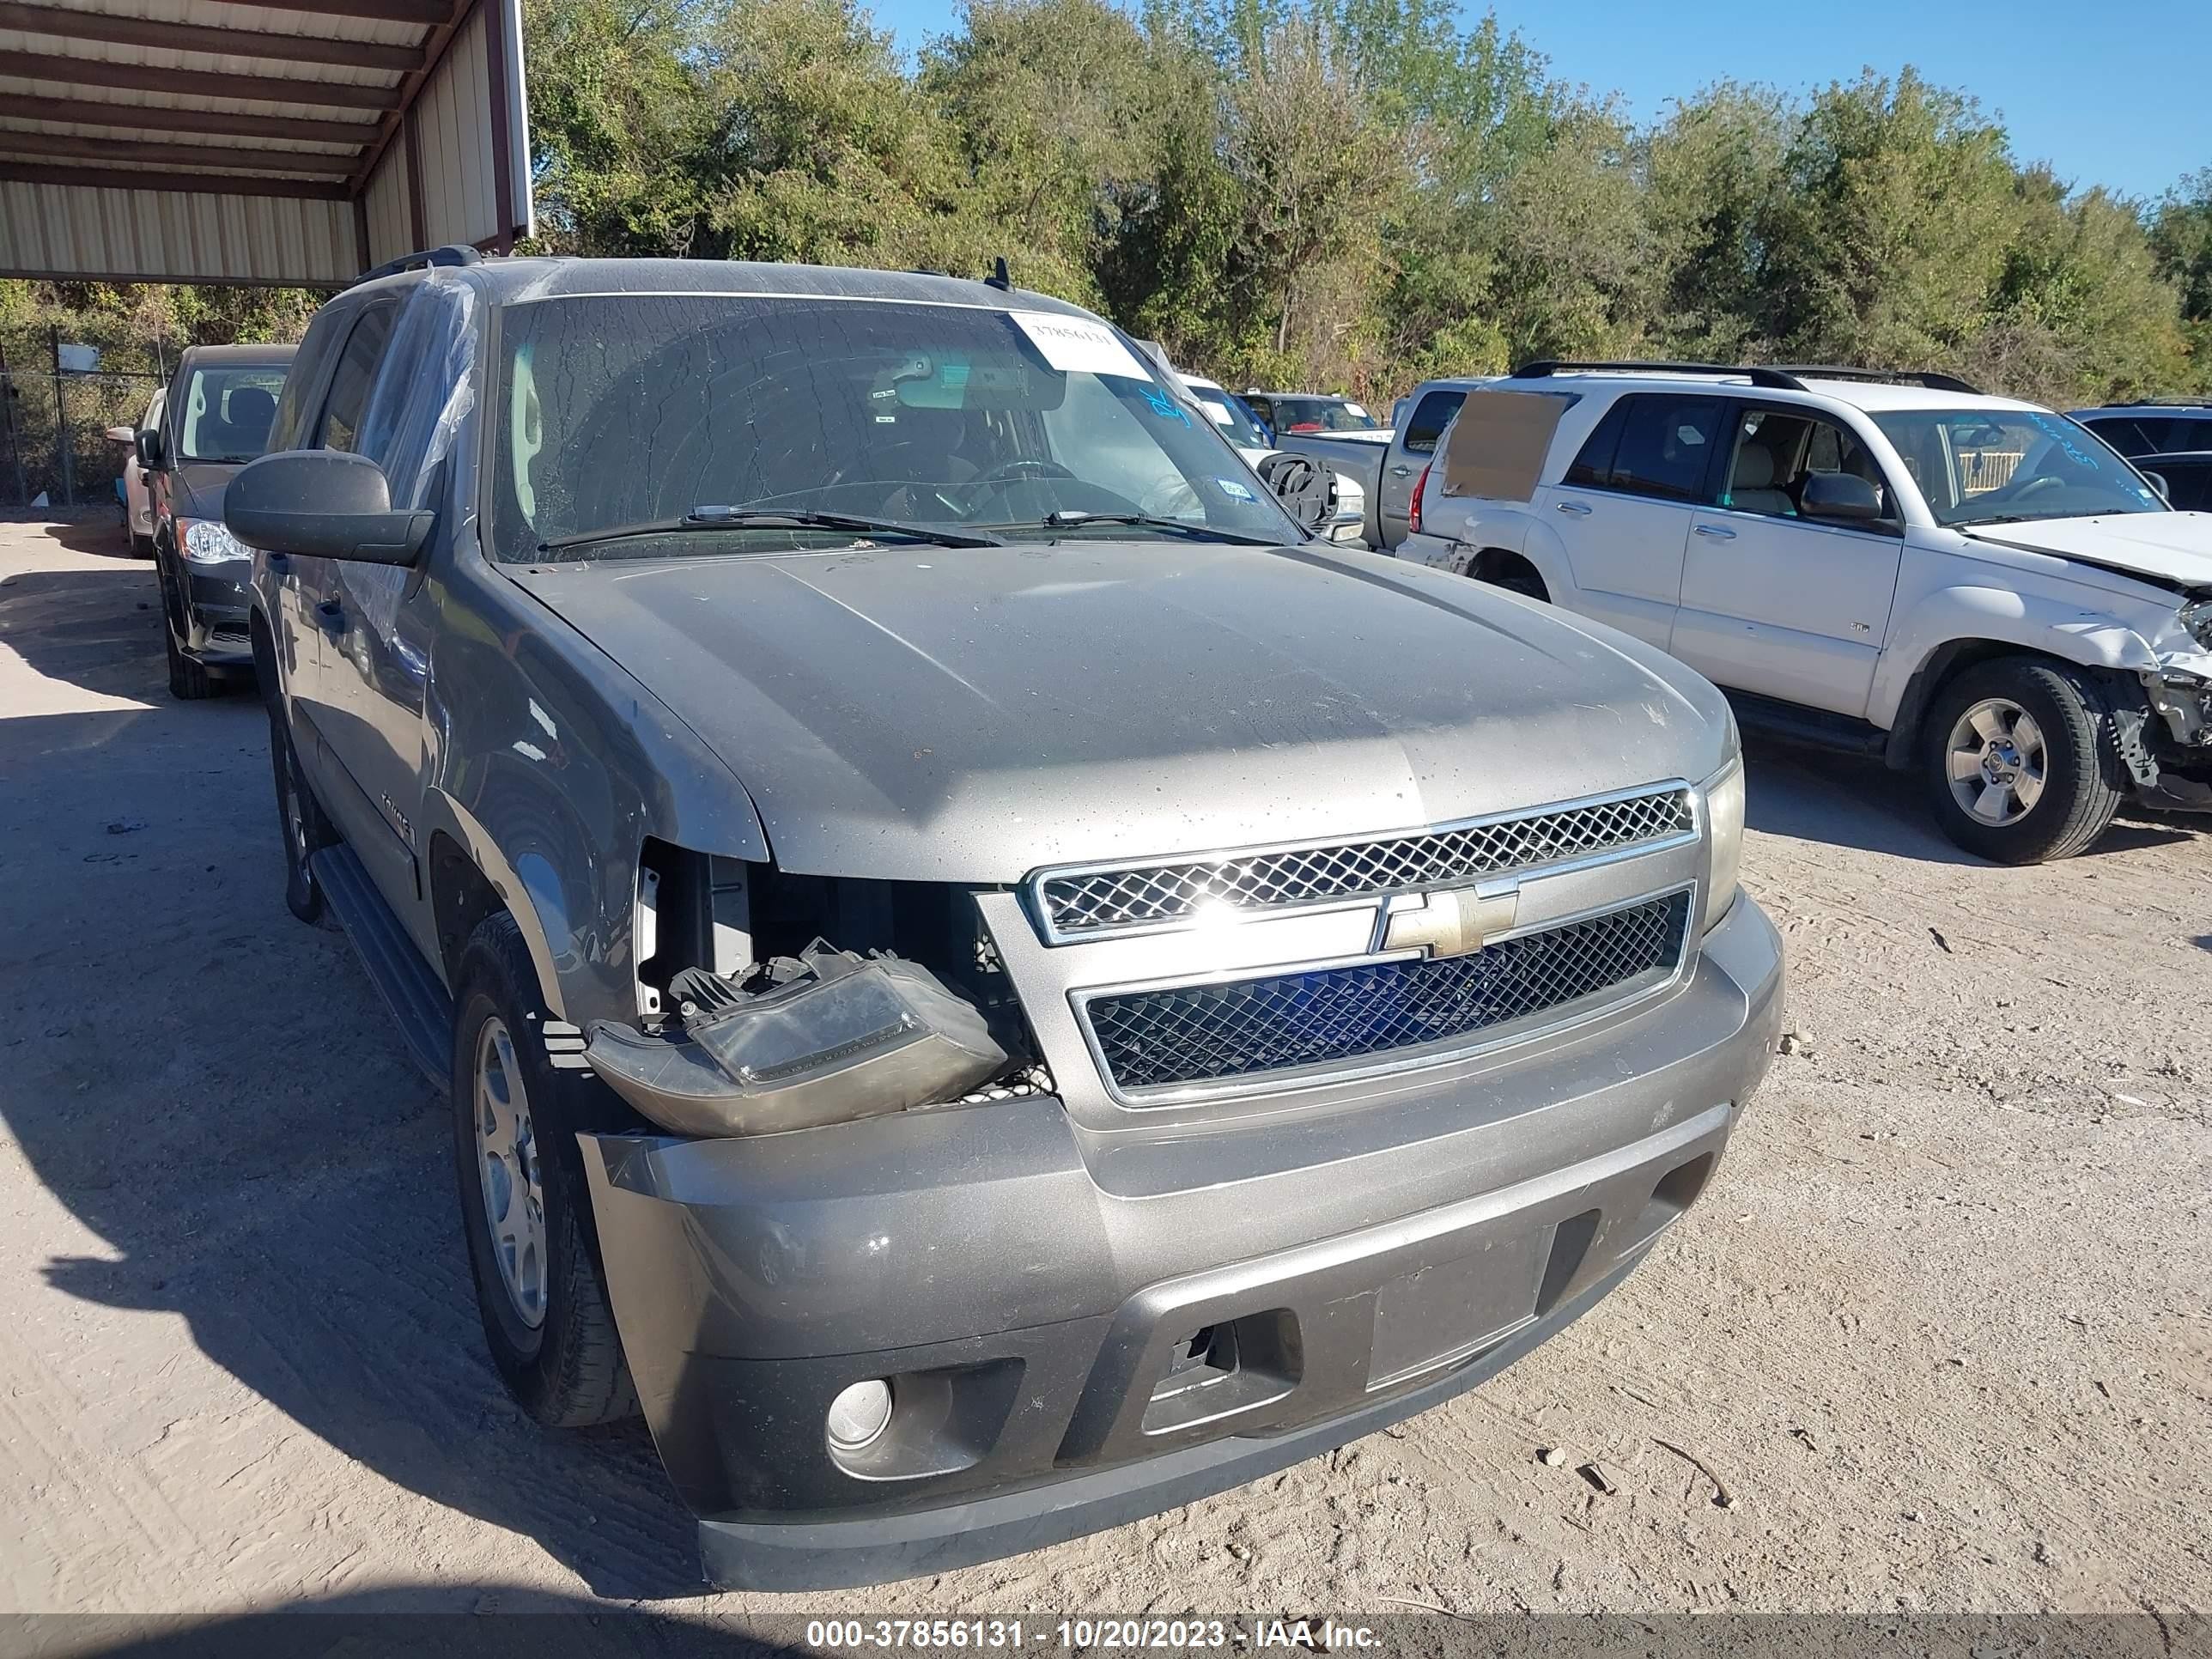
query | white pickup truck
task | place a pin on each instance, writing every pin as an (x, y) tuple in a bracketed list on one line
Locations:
[(1971, 586), (1386, 462)]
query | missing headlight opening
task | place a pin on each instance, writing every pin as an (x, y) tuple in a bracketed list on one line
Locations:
[(769, 1002)]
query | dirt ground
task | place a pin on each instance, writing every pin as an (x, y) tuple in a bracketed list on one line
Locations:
[(1941, 1325)]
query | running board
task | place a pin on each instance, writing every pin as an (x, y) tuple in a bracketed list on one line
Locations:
[(401, 977), (1792, 722)]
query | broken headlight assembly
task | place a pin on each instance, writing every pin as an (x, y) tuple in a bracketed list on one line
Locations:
[(825, 1037), (2196, 617), (751, 1021)]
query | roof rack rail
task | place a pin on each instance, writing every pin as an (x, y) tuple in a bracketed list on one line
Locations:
[(453, 253), (1773, 379), (1927, 378)]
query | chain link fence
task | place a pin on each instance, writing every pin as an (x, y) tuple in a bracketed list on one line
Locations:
[(58, 399)]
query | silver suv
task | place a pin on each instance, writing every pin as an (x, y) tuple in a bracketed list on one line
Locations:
[(990, 984)]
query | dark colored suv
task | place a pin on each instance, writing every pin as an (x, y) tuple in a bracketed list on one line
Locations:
[(215, 419), (989, 983)]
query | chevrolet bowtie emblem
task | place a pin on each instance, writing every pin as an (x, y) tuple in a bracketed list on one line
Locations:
[(1455, 923)]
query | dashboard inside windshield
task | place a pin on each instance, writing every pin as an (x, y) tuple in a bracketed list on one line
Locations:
[(1978, 467), (619, 410)]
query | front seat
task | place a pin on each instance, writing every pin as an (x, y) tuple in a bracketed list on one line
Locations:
[(1750, 485), (246, 420)]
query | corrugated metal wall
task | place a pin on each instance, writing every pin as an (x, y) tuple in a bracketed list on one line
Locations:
[(164, 235), (457, 121), (457, 169)]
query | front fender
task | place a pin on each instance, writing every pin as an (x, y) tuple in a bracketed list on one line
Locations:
[(2052, 627), (549, 766)]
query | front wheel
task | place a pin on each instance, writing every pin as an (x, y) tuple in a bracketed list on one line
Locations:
[(189, 679), (299, 818), (525, 1201), (2019, 763)]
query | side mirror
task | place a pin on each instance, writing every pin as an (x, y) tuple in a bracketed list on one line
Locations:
[(1842, 496), (1306, 489), (2157, 481), (322, 504), (121, 434), (148, 443)]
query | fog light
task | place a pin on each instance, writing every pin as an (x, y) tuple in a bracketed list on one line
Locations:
[(859, 1415)]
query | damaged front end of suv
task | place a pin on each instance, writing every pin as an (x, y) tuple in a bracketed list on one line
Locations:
[(761, 1033), (991, 983)]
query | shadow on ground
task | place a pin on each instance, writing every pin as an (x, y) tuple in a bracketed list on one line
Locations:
[(214, 1089), (1844, 800), (459, 1621)]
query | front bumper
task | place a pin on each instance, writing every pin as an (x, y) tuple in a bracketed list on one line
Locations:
[(1080, 1331), (216, 610)]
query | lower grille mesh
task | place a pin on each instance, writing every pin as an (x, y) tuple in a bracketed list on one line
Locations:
[(1150, 1039)]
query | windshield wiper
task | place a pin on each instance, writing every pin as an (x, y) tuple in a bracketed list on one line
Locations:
[(1205, 533), (739, 517)]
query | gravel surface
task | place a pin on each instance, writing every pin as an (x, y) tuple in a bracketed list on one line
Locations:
[(1939, 1327)]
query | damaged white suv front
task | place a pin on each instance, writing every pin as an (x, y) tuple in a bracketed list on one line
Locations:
[(1971, 586)]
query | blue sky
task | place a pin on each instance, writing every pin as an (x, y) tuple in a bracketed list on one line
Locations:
[(2117, 96)]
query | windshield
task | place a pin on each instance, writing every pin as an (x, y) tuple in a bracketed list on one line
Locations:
[(720, 419), (1977, 466), (1226, 412), (1322, 415), (227, 411)]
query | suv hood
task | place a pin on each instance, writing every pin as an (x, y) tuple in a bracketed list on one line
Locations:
[(974, 714), (2172, 548)]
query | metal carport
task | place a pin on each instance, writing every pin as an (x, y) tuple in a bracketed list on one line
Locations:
[(212, 141)]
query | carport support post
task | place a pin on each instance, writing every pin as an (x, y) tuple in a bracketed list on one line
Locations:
[(63, 447), (7, 426)]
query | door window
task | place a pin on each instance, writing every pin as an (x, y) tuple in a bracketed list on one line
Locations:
[(1666, 447), (1430, 419), (1592, 468), (2190, 485), (357, 374), (1777, 450)]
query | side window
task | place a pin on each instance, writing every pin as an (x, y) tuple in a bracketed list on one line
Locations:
[(2126, 436), (1777, 450), (1592, 468), (2191, 484), (1263, 409), (1430, 419), (2181, 431), (357, 374), (1667, 446), (296, 404)]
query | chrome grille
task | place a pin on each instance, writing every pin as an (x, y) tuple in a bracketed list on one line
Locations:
[(1201, 1033), (1088, 903)]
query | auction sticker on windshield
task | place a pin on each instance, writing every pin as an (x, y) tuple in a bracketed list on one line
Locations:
[(1076, 345)]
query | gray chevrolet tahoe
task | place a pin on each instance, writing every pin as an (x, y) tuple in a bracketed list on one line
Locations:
[(990, 984)]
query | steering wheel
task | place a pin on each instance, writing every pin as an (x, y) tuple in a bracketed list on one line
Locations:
[(1013, 471), (2021, 490)]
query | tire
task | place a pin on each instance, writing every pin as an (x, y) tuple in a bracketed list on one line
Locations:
[(141, 547), (553, 1340), (1526, 583), (2069, 731), (189, 680), (300, 819)]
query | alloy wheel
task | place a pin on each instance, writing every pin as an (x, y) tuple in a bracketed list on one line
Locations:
[(1995, 762), (508, 1165)]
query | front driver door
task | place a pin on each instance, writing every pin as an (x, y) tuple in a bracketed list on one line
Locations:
[(1777, 604), (344, 717)]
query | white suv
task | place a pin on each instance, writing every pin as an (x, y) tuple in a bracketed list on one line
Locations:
[(1894, 564)]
